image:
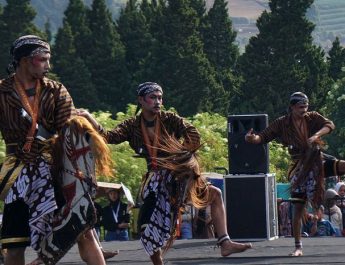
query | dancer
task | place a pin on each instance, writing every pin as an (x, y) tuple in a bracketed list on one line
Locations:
[(301, 131), (32, 109), (146, 133)]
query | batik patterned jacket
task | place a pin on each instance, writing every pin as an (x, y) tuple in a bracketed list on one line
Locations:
[(56, 107), (130, 130), (283, 130)]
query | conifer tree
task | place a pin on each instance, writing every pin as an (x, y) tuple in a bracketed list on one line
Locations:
[(179, 63), (72, 70), (134, 33), (282, 59), (76, 16), (336, 60), (219, 39), (15, 21), (106, 58), (47, 30)]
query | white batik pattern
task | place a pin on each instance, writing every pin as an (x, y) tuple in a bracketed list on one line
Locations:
[(157, 231), (34, 186)]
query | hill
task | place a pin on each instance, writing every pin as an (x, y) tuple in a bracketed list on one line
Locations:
[(328, 15), (53, 10)]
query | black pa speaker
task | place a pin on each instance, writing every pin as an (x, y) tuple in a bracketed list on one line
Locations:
[(247, 158), (251, 206)]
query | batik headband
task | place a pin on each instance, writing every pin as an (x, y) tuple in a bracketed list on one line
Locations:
[(148, 87), (26, 46), (298, 98)]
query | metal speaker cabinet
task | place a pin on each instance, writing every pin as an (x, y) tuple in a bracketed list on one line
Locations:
[(247, 158), (251, 206)]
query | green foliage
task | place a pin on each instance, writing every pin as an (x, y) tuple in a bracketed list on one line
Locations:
[(179, 63), (335, 110), (76, 17), (73, 71), (279, 161), (47, 30), (214, 150), (133, 27), (282, 59), (336, 60), (106, 58), (220, 48)]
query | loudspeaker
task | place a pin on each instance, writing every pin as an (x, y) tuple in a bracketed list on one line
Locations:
[(251, 206), (247, 158)]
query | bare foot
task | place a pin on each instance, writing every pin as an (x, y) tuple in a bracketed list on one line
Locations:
[(230, 247), (109, 254), (37, 261), (296, 253)]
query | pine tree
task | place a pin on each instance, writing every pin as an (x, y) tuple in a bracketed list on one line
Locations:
[(76, 16), (15, 21), (336, 60), (134, 32), (179, 63), (219, 39), (72, 70), (106, 58), (47, 30), (282, 59), (334, 109)]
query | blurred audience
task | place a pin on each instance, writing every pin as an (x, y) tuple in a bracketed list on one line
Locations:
[(332, 211), (316, 225), (115, 217)]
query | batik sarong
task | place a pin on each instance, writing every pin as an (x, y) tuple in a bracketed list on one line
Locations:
[(34, 186), (155, 217)]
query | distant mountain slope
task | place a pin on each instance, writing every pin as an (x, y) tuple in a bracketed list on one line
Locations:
[(54, 9), (328, 15)]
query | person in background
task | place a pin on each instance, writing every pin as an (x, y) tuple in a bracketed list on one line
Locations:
[(115, 217), (332, 212), (186, 222), (340, 189), (318, 226)]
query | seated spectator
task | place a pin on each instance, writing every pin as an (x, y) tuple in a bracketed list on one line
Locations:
[(333, 212), (317, 226), (284, 219), (186, 225), (115, 217), (340, 188)]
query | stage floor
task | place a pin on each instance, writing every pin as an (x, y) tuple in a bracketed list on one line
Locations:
[(324, 250)]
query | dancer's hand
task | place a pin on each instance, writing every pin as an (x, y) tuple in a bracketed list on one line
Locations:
[(313, 138), (251, 137), (84, 113)]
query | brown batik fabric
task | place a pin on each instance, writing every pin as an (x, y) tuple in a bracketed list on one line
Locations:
[(160, 192), (284, 131), (34, 182)]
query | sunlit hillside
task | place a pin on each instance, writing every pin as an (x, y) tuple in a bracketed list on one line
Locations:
[(328, 15)]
